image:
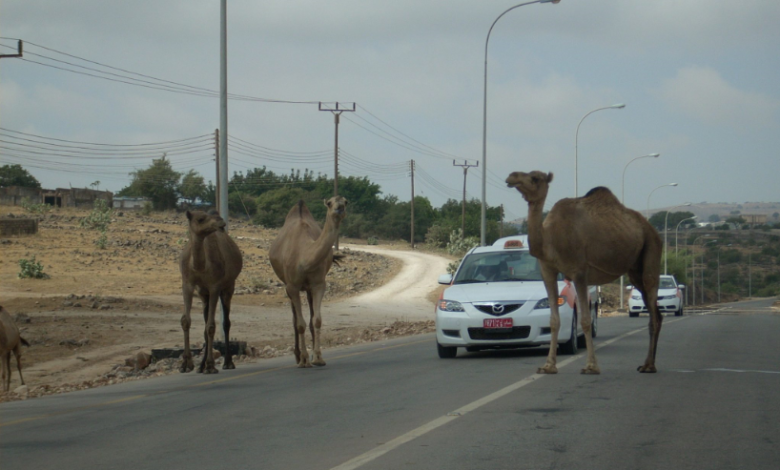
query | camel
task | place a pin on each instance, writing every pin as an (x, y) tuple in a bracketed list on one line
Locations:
[(301, 256), (10, 340), (592, 240), (210, 264)]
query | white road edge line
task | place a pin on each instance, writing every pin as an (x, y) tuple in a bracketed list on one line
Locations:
[(381, 450)]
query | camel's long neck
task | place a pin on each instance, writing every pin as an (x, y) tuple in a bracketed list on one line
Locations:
[(197, 254), (326, 239), (535, 237)]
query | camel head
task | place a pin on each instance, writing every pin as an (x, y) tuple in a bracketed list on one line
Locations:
[(337, 207), (533, 186), (203, 224)]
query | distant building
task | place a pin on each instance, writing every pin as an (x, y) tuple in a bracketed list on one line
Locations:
[(754, 219), (60, 197), (129, 203)]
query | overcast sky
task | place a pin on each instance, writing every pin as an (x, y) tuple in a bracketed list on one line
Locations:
[(700, 80)]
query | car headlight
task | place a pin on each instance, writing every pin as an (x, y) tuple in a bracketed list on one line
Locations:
[(637, 296), (450, 306), (544, 303)]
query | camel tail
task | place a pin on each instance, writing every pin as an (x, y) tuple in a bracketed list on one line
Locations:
[(337, 258), (24, 341)]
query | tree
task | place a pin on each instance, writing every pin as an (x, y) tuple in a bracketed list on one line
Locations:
[(714, 218), (159, 182), (192, 186), (15, 175), (658, 220)]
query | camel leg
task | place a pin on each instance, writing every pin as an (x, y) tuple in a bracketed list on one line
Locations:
[(551, 285), (186, 322), (583, 308), (207, 366), (18, 354), (316, 322), (295, 331), (650, 297), (300, 327), (5, 362), (227, 297), (204, 298)]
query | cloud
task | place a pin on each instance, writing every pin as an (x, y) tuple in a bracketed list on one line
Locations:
[(701, 93)]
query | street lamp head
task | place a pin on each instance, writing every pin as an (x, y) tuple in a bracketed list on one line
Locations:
[(550, 1), (654, 155), (618, 106), (672, 184)]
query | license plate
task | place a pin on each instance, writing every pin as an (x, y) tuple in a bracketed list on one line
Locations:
[(490, 323)]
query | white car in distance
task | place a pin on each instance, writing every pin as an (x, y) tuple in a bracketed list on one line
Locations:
[(497, 299), (669, 298)]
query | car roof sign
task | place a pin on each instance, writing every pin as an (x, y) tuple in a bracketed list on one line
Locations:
[(513, 244)]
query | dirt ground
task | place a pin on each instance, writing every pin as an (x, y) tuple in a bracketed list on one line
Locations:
[(100, 308)]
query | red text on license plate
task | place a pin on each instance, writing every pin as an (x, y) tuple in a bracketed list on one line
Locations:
[(497, 323)]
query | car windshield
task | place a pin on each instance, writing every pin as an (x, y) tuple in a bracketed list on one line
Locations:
[(503, 266), (667, 283)]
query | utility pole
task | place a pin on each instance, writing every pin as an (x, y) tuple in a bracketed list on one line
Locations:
[(216, 150), (337, 110), (501, 223), (222, 185), (18, 54), (412, 167), (465, 167)]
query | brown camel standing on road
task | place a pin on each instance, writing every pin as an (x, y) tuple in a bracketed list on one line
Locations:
[(10, 340), (592, 240), (301, 256), (210, 264)]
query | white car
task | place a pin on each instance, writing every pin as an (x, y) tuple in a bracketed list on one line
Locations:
[(497, 299), (669, 298)]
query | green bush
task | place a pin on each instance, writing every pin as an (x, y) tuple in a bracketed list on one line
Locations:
[(100, 217), (459, 245), (31, 269), (147, 208), (372, 241), (33, 208)]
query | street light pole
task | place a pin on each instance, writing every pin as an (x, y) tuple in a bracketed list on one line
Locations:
[(623, 182), (576, 137), (483, 224), (623, 201), (666, 231), (675, 233), (647, 213), (719, 270)]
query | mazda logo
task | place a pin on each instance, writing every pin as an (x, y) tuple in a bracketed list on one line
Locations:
[(498, 309)]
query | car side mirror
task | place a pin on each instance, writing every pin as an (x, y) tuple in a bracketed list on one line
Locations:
[(681, 286), (445, 279), (629, 287)]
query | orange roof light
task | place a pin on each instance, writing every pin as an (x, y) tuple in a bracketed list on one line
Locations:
[(513, 244)]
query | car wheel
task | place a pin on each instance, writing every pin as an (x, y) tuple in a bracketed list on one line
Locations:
[(679, 312), (595, 323), (570, 347), (446, 352)]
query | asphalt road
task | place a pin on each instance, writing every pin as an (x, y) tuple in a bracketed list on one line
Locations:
[(713, 405)]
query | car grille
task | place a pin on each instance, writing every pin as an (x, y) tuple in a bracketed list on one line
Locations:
[(517, 332), (497, 309)]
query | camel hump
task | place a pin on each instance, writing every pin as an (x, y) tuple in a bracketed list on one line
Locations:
[(598, 191)]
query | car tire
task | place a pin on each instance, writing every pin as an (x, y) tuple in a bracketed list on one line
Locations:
[(595, 323), (446, 352), (569, 348), (679, 312)]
